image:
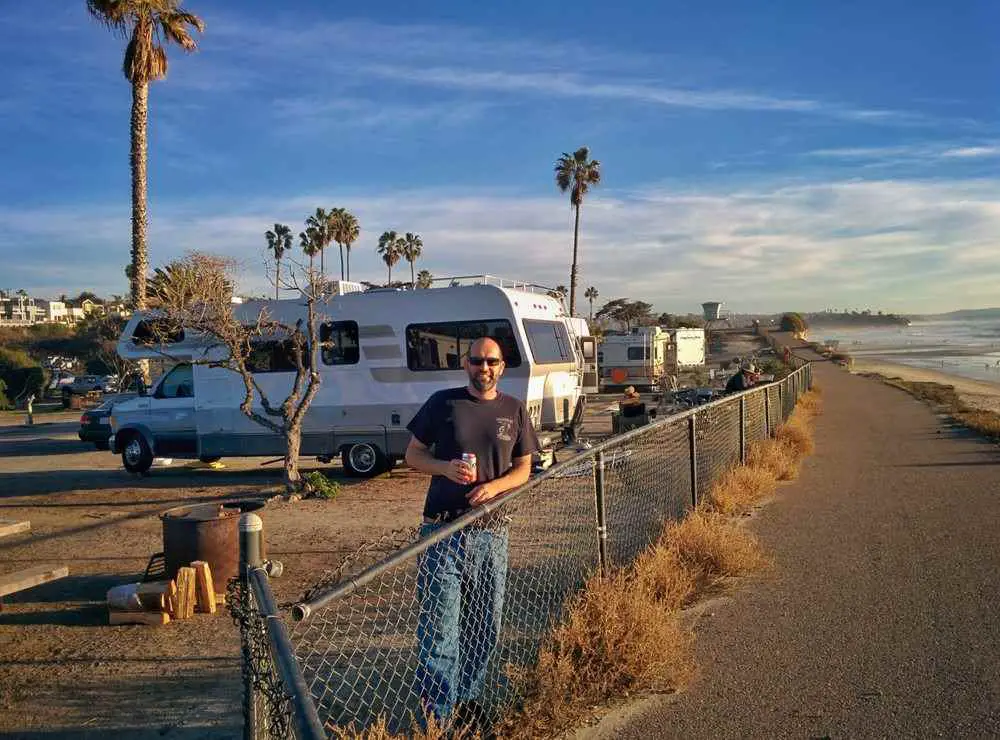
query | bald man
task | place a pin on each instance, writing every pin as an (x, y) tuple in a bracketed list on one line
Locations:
[(461, 579)]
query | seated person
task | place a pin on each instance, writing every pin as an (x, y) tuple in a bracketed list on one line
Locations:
[(631, 404), (742, 380)]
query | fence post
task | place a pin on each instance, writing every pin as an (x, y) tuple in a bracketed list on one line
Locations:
[(781, 400), (693, 450), (251, 534), (743, 430), (602, 528), (767, 412)]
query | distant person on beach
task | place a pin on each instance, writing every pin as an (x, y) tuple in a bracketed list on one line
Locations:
[(743, 380)]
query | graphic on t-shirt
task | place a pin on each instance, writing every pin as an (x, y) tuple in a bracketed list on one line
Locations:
[(505, 428)]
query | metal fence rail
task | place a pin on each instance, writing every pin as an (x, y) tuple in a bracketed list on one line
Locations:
[(456, 613)]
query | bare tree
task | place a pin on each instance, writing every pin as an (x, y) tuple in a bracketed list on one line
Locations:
[(197, 296)]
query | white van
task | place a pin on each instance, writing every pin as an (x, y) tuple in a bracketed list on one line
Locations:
[(392, 350)]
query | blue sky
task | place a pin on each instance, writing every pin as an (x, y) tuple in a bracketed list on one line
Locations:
[(772, 156)]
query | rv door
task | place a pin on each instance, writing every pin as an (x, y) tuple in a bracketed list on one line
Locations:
[(591, 376)]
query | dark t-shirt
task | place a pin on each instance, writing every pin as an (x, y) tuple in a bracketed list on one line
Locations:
[(739, 382), (454, 421)]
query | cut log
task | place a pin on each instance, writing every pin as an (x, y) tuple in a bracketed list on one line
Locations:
[(158, 596), (186, 597), (220, 599), (116, 617), (11, 526), (204, 586), (19, 580)]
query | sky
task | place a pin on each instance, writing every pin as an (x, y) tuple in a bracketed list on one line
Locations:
[(774, 156)]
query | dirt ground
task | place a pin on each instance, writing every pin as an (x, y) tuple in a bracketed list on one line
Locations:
[(64, 672)]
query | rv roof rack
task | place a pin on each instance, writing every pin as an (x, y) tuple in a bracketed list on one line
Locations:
[(459, 280)]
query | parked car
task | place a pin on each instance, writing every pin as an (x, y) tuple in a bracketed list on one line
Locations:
[(95, 425)]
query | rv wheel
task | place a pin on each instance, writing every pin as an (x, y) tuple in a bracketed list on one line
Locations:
[(209, 459), (363, 460), (136, 455)]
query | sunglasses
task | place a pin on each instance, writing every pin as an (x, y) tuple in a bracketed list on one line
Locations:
[(491, 361)]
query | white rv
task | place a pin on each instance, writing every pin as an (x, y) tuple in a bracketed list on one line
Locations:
[(391, 350), (686, 349), (637, 358)]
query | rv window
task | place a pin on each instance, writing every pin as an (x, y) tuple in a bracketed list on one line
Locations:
[(441, 346), (549, 341), (343, 339), (637, 353), (157, 331), (273, 356), (178, 383)]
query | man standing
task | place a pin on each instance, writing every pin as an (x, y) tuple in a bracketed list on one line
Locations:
[(461, 580), (742, 380)]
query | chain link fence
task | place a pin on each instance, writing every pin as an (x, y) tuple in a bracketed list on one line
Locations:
[(447, 623)]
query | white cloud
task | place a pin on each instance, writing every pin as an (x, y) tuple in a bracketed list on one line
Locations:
[(893, 245), (917, 153)]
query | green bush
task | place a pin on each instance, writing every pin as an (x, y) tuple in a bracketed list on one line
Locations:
[(794, 323), (4, 401), (322, 487)]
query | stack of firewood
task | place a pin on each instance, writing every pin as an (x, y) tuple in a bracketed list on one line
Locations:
[(157, 602)]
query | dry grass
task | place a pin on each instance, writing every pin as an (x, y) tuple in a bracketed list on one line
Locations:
[(773, 457), (615, 640), (380, 731), (713, 546), (947, 399), (795, 435), (740, 489), (666, 577)]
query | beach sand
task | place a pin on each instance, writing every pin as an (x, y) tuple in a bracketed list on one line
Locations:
[(979, 394)]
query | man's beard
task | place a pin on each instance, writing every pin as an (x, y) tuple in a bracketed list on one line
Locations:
[(484, 385)]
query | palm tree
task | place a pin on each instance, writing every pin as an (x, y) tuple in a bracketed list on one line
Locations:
[(319, 224), (424, 279), (279, 241), (591, 295), (150, 26), (412, 246), (344, 230), (390, 248), (576, 172), (309, 240)]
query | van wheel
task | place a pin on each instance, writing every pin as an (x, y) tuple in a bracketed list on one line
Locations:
[(364, 460), (136, 455), (209, 459)]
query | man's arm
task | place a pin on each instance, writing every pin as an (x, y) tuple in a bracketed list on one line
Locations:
[(518, 475), (419, 457)]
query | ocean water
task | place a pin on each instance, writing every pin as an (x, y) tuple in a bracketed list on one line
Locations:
[(969, 348)]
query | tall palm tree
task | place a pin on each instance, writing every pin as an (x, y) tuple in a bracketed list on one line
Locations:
[(424, 279), (149, 25), (322, 235), (390, 248), (279, 241), (344, 230), (576, 172), (309, 240), (591, 295), (413, 245)]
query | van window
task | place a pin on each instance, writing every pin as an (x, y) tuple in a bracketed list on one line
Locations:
[(274, 356), (637, 353), (549, 341), (343, 339), (157, 331), (178, 383), (442, 345)]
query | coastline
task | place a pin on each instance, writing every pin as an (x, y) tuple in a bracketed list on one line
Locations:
[(979, 394)]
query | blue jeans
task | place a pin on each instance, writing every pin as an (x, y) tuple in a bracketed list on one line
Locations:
[(460, 586)]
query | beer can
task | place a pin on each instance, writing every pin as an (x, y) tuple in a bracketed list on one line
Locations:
[(469, 459)]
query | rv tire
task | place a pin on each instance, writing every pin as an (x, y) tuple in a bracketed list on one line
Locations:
[(136, 455), (208, 459), (364, 460)]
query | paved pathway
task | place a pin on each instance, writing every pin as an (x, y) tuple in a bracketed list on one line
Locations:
[(881, 617)]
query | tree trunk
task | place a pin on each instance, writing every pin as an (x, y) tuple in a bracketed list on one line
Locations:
[(348, 261), (389, 285), (277, 277), (341, 261), (572, 272), (322, 262), (413, 279), (293, 442), (137, 163), (591, 309)]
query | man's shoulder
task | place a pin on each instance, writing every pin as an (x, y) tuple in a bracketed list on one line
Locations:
[(511, 402), (448, 394)]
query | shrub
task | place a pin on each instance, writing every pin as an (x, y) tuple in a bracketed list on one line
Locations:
[(320, 486), (794, 323), (740, 489), (713, 546)]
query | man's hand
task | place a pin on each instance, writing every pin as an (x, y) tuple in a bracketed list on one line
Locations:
[(482, 493), (458, 471)]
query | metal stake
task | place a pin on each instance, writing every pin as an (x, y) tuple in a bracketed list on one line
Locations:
[(602, 529)]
